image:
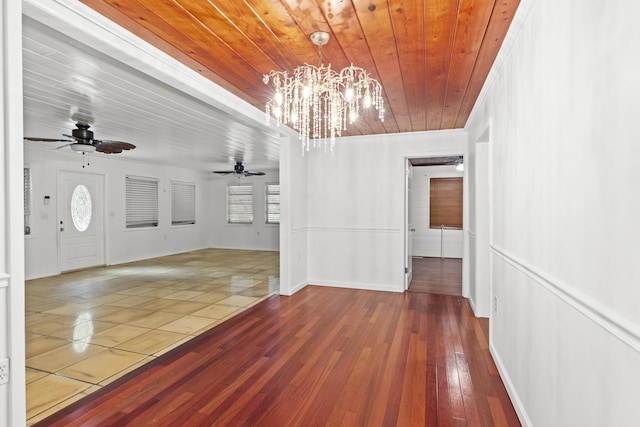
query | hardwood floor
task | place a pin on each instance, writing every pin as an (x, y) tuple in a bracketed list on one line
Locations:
[(322, 357), (437, 275)]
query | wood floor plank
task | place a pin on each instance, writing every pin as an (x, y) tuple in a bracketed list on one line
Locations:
[(445, 416), (437, 275), (469, 397), (322, 357), (431, 398), (451, 366), (406, 400)]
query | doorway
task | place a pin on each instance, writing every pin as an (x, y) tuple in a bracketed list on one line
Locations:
[(80, 220), (436, 251), (437, 275)]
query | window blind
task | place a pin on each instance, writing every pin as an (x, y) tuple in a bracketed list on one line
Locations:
[(240, 204), (273, 203), (141, 202), (445, 202), (183, 202)]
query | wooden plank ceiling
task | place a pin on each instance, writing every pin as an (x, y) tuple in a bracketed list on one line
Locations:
[(431, 56)]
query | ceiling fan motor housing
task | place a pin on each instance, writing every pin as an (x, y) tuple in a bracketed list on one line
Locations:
[(238, 167), (82, 132)]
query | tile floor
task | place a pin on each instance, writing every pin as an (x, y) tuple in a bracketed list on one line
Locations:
[(84, 329)]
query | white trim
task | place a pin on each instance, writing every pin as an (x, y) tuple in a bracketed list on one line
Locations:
[(511, 390), (604, 317), (357, 285), (356, 230), (12, 395), (473, 306), (4, 280), (297, 288)]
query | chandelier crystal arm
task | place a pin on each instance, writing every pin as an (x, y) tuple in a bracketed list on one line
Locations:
[(319, 102)]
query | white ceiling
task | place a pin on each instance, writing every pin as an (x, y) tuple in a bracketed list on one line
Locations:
[(66, 81)]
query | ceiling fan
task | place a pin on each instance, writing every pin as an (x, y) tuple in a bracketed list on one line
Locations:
[(238, 169), (82, 141)]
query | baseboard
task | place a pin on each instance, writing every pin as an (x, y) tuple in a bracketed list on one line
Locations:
[(238, 248), (297, 288), (355, 285), (511, 390), (473, 306)]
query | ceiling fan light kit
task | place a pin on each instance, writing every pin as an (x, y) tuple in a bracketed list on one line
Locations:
[(82, 148), (320, 102)]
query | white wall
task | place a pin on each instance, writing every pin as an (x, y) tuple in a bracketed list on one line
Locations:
[(259, 235), (122, 245), (356, 207), (565, 208), (294, 230), (427, 241)]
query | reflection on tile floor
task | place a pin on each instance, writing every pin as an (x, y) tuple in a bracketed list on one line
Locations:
[(87, 328)]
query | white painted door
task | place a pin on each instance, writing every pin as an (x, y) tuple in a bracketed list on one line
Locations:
[(80, 220), (408, 268)]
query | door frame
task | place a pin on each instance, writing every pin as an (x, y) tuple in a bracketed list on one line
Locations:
[(408, 226), (483, 273), (103, 185), (465, 211)]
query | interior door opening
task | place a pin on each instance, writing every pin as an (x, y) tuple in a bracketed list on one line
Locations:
[(435, 251)]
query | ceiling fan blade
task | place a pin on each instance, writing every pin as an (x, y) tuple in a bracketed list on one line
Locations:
[(251, 173), (65, 145), (115, 144), (224, 172), (28, 138), (108, 149)]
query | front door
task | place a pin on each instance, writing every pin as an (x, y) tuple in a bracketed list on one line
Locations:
[(80, 220)]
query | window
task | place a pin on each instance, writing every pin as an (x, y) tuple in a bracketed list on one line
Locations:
[(183, 202), (27, 199), (81, 208), (445, 202), (273, 203), (141, 202), (240, 204)]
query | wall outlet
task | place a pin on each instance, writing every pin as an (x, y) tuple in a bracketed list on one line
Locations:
[(4, 371), (495, 305)]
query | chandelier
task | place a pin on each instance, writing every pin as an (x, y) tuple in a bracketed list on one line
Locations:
[(318, 102)]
